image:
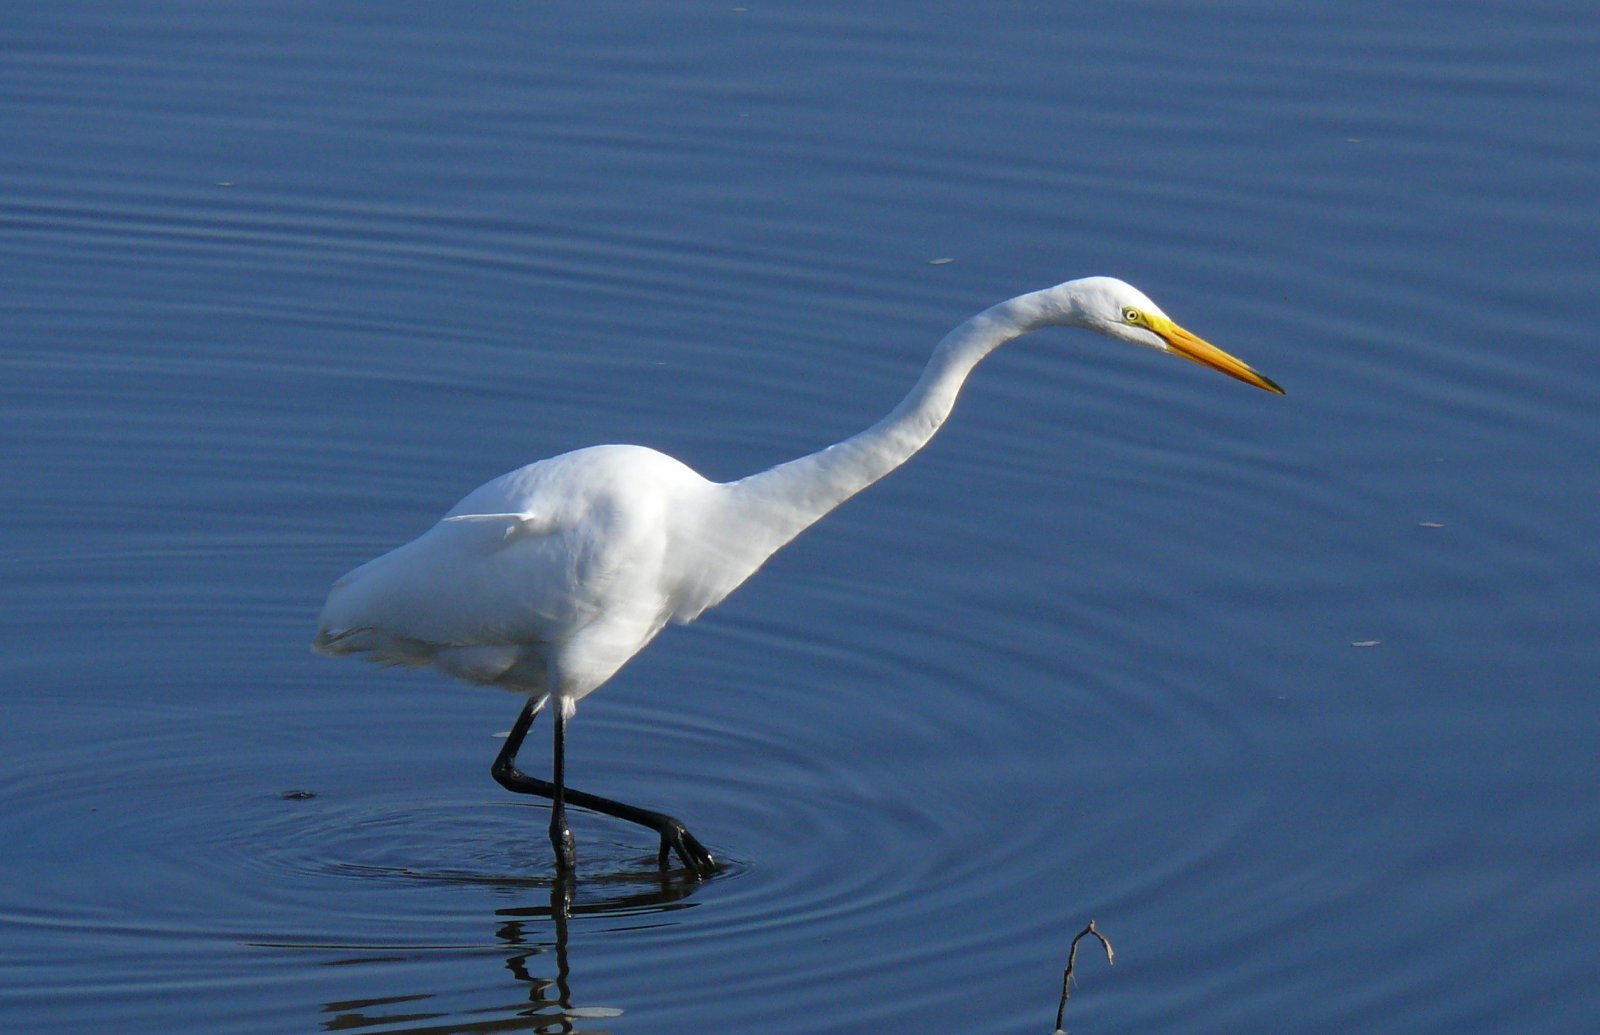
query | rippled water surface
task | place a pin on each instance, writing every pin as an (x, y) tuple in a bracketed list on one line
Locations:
[(1293, 696)]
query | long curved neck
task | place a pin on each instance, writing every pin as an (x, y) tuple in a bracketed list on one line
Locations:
[(785, 500)]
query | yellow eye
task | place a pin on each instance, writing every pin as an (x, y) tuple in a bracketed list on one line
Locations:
[(1132, 315)]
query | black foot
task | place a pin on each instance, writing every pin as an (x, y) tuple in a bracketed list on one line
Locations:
[(566, 847), (675, 837)]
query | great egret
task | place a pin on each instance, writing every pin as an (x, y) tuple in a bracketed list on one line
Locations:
[(546, 580)]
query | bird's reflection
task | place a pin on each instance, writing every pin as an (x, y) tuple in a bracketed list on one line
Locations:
[(534, 941)]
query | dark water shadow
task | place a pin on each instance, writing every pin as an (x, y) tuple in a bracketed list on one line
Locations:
[(533, 942)]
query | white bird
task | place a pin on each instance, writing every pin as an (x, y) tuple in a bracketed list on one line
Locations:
[(546, 580)]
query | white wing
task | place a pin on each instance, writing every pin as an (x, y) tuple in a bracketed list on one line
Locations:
[(501, 582), (546, 579)]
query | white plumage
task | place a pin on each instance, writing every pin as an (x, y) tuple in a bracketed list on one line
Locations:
[(548, 579)]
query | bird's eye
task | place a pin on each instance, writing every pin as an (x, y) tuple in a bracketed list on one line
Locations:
[(1131, 315)]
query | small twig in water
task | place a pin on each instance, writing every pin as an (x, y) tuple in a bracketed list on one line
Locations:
[(1072, 959)]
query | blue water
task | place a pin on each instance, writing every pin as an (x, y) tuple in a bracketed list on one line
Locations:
[(1293, 696)]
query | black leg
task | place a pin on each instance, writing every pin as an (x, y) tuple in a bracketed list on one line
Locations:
[(560, 834), (675, 837)]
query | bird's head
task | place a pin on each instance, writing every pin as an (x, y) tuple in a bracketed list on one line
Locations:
[(1119, 310)]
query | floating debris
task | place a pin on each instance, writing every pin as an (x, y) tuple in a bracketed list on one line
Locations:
[(1072, 959), (1430, 524), (1365, 643), (940, 262), (297, 795)]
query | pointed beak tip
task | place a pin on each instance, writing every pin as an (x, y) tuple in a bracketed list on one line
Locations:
[(1198, 350)]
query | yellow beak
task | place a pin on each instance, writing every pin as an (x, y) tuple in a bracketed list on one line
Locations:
[(1206, 354)]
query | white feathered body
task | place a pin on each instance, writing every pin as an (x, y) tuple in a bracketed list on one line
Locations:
[(548, 578)]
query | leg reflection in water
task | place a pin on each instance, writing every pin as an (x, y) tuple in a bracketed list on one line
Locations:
[(533, 941)]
